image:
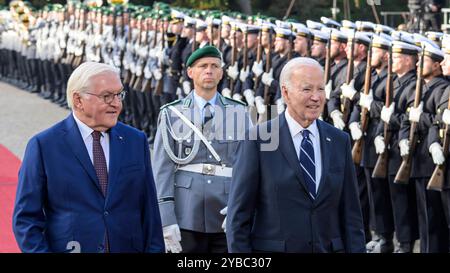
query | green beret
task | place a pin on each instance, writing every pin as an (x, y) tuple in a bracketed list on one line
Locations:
[(206, 51)]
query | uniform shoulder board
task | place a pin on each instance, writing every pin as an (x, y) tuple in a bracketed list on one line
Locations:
[(235, 101), (175, 102)]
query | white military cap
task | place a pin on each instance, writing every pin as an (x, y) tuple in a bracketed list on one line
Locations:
[(365, 26), (382, 41), (383, 29), (300, 30), (419, 39), (213, 21), (283, 33), (201, 25), (346, 24), (189, 21), (283, 24), (435, 36), (175, 14), (246, 28), (320, 36), (226, 20), (403, 36), (431, 50), (361, 38), (314, 25), (268, 27), (339, 36), (405, 48), (330, 22)]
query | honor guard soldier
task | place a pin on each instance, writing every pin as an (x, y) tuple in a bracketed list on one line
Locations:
[(404, 59), (194, 153), (425, 154)]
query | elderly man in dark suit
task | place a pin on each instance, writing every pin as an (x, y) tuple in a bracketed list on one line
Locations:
[(300, 195)]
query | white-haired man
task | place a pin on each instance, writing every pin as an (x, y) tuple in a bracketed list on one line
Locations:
[(86, 184), (302, 195)]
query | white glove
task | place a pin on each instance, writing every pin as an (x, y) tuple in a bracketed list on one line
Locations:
[(147, 73), (172, 238), (224, 224), (226, 92), (404, 147), (379, 144), (328, 88), (232, 71), (366, 100), (152, 53), (414, 113), (257, 68), (237, 97), (179, 92), (260, 106), (280, 106), (338, 122), (386, 112), (244, 74), (157, 74), (348, 90), (267, 78), (446, 117), (249, 97), (436, 153), (355, 131), (186, 87)]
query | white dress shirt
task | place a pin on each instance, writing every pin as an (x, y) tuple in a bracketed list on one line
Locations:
[(86, 134), (296, 133)]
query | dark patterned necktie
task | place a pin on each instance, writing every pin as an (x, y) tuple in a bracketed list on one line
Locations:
[(101, 170), (207, 114), (100, 162), (307, 162)]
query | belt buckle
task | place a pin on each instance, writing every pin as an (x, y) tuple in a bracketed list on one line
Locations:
[(209, 169)]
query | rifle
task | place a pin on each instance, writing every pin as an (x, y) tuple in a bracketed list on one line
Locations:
[(268, 67), (160, 84), (358, 145), (233, 58), (436, 181), (258, 57), (127, 77), (219, 43), (138, 82), (381, 166), (350, 68), (327, 74), (194, 41), (146, 83), (245, 62), (404, 171), (291, 45)]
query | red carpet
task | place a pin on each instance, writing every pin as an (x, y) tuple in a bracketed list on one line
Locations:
[(9, 167)]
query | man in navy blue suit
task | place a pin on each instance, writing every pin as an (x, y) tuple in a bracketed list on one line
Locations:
[(300, 195), (86, 184)]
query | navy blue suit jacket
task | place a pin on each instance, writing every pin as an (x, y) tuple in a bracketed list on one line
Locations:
[(59, 199), (270, 209)]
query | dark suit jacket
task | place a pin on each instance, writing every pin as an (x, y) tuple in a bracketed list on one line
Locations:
[(59, 198), (269, 208)]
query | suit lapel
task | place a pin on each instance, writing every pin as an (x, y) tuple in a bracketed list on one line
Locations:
[(75, 142), (325, 149), (116, 144), (288, 150)]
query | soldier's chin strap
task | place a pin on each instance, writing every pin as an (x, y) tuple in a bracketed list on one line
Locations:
[(197, 132)]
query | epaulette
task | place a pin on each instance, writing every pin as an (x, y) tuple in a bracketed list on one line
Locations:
[(233, 100), (170, 103)]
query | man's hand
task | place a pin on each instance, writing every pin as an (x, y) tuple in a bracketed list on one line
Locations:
[(186, 87), (249, 97), (172, 238), (280, 105), (267, 78), (355, 131), (348, 90), (387, 112), (224, 224), (257, 68), (366, 100), (379, 144), (233, 71), (404, 147), (226, 92), (436, 153), (237, 97), (446, 117), (338, 122), (260, 106), (244, 74), (414, 113)]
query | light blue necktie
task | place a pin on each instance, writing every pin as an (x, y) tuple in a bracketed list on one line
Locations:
[(307, 163)]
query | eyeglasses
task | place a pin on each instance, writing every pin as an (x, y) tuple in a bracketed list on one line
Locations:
[(108, 98)]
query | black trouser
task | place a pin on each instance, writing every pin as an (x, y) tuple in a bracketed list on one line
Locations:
[(404, 208), (445, 196), (433, 229), (364, 200), (382, 220), (199, 242)]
